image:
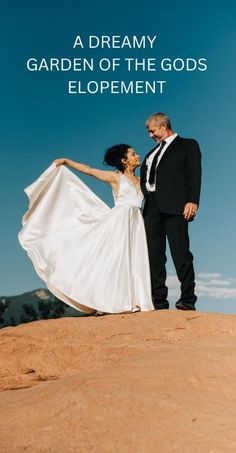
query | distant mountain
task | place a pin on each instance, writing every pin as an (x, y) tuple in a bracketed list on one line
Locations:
[(32, 306)]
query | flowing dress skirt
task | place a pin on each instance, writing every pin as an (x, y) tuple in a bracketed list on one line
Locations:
[(90, 256)]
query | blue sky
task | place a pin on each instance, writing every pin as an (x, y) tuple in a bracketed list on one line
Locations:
[(40, 121)]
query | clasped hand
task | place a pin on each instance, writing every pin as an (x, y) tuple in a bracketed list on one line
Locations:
[(60, 161), (190, 210)]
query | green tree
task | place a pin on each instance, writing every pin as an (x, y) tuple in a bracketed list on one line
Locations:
[(30, 314), (51, 309), (44, 309), (4, 304)]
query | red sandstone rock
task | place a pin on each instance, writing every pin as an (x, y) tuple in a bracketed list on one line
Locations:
[(161, 381)]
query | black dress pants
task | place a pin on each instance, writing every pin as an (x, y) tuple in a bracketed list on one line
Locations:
[(160, 226)]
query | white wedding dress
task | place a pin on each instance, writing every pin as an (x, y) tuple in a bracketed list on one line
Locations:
[(90, 256)]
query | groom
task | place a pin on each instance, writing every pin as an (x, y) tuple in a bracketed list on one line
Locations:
[(170, 182)]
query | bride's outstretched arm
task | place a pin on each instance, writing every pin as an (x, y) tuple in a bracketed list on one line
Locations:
[(106, 176)]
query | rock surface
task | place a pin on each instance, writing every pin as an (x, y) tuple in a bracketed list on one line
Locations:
[(161, 381)]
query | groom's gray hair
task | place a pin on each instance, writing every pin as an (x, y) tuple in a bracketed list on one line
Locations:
[(158, 118)]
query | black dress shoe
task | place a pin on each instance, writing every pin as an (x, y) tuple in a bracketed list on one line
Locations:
[(184, 306), (162, 305)]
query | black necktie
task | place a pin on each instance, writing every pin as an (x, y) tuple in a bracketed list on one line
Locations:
[(154, 163)]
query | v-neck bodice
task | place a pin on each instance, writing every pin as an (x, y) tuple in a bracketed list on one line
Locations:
[(127, 194)]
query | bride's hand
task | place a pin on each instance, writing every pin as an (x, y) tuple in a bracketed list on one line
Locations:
[(58, 162)]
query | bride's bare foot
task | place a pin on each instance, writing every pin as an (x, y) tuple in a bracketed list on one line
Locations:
[(135, 309), (99, 313)]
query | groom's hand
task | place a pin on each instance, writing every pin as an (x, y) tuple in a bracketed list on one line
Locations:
[(190, 210)]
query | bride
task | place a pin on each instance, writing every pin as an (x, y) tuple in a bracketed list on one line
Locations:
[(90, 256)]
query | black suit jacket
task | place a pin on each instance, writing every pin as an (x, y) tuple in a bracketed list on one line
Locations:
[(178, 178)]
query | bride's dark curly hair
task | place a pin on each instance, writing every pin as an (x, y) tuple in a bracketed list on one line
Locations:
[(115, 155)]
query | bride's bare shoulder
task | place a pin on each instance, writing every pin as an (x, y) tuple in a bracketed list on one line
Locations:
[(118, 173)]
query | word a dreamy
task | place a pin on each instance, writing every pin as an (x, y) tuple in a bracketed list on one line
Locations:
[(115, 42)]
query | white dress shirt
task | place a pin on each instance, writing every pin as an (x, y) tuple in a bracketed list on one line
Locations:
[(168, 140)]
